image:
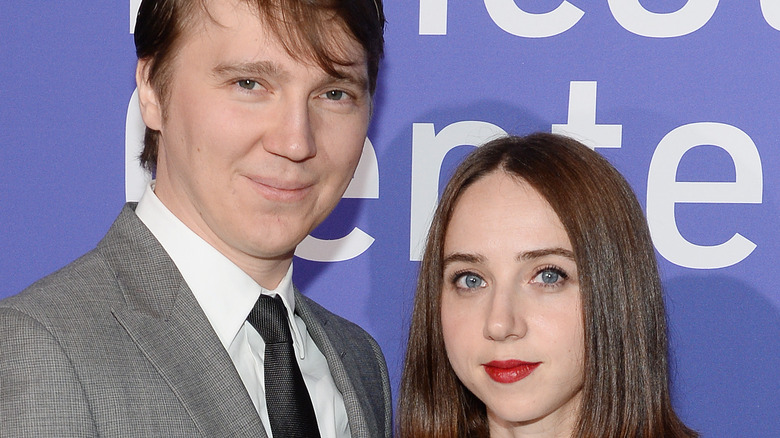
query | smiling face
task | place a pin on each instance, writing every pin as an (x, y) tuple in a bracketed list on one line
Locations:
[(256, 147), (510, 307)]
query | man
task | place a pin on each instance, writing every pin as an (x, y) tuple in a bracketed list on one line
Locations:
[(256, 114)]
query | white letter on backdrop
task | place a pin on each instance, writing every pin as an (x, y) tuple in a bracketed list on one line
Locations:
[(433, 17), (771, 11), (635, 18), (508, 16), (364, 185), (136, 178), (428, 152), (663, 192), (582, 119), (134, 5)]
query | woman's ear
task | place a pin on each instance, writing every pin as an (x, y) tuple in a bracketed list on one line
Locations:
[(149, 101)]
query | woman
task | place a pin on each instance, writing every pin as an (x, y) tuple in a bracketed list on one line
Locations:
[(539, 307)]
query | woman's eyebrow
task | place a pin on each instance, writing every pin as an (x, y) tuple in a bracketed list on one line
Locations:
[(463, 257), (523, 256)]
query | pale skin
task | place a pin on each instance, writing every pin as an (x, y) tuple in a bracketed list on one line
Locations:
[(511, 294), (256, 147)]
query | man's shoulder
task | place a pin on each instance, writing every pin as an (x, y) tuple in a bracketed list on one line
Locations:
[(78, 284), (90, 279)]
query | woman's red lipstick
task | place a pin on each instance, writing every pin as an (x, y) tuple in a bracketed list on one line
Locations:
[(509, 371)]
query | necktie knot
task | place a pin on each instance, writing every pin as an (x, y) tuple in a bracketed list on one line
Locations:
[(269, 318)]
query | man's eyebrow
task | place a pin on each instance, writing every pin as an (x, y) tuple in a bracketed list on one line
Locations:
[(352, 75), (250, 69), (539, 253), (346, 74)]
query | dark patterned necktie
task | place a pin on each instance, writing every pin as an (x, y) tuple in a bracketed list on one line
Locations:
[(289, 406)]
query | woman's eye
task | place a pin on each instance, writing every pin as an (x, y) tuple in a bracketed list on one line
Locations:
[(469, 281), (334, 95), (248, 84), (549, 276)]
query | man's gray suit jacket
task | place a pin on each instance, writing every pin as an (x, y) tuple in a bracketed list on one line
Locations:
[(115, 344)]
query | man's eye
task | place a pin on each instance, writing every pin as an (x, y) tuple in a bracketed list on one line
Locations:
[(248, 84), (334, 95), (469, 281)]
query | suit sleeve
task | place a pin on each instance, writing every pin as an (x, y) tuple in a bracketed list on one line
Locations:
[(40, 393)]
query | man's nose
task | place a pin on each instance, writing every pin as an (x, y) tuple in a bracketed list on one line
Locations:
[(291, 135)]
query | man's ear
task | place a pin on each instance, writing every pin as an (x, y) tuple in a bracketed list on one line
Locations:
[(149, 101)]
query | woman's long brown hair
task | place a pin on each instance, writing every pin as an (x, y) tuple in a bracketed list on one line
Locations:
[(625, 387)]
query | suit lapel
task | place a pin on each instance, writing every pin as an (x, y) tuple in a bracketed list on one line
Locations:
[(165, 321), (351, 389)]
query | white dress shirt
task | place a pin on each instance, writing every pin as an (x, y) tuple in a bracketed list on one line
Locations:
[(227, 294)]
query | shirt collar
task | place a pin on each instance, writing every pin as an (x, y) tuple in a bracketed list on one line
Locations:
[(224, 292)]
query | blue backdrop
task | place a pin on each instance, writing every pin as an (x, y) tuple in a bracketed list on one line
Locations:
[(682, 96)]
